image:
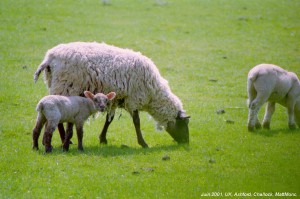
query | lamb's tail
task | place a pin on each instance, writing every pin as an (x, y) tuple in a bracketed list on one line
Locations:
[(39, 107), (41, 67), (252, 76)]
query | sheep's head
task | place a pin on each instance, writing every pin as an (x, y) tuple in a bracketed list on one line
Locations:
[(100, 100), (179, 130)]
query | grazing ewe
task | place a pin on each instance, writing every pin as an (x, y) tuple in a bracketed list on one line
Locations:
[(271, 83), (55, 109), (72, 68)]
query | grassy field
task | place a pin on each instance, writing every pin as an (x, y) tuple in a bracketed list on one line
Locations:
[(204, 49)]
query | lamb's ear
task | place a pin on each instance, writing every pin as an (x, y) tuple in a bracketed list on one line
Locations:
[(88, 94), (111, 95)]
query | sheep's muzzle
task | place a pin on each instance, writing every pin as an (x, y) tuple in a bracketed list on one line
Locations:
[(180, 129)]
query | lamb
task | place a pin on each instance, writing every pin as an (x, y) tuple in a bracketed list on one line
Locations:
[(272, 84), (55, 109), (74, 67)]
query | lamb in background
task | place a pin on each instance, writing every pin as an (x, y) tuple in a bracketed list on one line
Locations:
[(74, 67), (55, 109), (272, 84)]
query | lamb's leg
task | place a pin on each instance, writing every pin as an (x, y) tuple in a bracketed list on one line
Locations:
[(109, 119), (41, 120), (49, 129), (61, 131), (79, 130), (254, 107), (68, 136), (252, 115), (270, 109), (136, 122), (290, 110), (297, 113)]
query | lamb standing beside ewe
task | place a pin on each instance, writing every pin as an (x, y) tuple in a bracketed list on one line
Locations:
[(272, 84), (55, 109), (72, 68)]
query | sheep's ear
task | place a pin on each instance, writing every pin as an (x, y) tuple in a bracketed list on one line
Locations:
[(88, 94), (111, 95)]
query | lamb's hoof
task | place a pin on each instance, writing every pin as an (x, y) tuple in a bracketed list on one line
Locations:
[(292, 126), (65, 147), (35, 148), (258, 126), (266, 125), (49, 149), (251, 128)]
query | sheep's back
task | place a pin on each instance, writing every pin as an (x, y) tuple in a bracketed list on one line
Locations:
[(80, 66)]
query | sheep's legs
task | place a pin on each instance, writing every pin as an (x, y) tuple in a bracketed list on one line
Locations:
[(109, 119), (136, 122), (270, 109)]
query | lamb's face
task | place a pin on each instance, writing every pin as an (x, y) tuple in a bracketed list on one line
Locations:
[(101, 102), (179, 130)]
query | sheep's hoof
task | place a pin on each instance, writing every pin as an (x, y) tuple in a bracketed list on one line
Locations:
[(103, 141), (144, 145), (292, 126)]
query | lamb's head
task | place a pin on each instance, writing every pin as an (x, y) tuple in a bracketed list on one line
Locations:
[(179, 130), (100, 100)]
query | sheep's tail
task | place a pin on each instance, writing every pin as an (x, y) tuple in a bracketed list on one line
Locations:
[(41, 67)]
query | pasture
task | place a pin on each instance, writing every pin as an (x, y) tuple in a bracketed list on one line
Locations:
[(204, 49)]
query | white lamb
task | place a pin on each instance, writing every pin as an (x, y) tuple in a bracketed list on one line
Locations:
[(55, 109), (272, 84), (72, 68)]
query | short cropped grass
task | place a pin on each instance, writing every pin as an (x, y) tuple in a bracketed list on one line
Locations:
[(203, 48)]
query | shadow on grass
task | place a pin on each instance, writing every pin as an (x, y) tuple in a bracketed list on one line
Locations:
[(272, 132), (113, 151)]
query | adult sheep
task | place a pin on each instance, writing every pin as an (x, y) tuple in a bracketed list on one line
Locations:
[(72, 68), (272, 84)]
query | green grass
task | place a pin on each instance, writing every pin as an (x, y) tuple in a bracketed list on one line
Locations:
[(191, 42)]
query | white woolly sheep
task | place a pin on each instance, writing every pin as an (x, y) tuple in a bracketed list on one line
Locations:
[(55, 109), (74, 67), (272, 84)]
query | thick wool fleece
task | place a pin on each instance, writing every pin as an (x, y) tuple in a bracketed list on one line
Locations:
[(73, 68)]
